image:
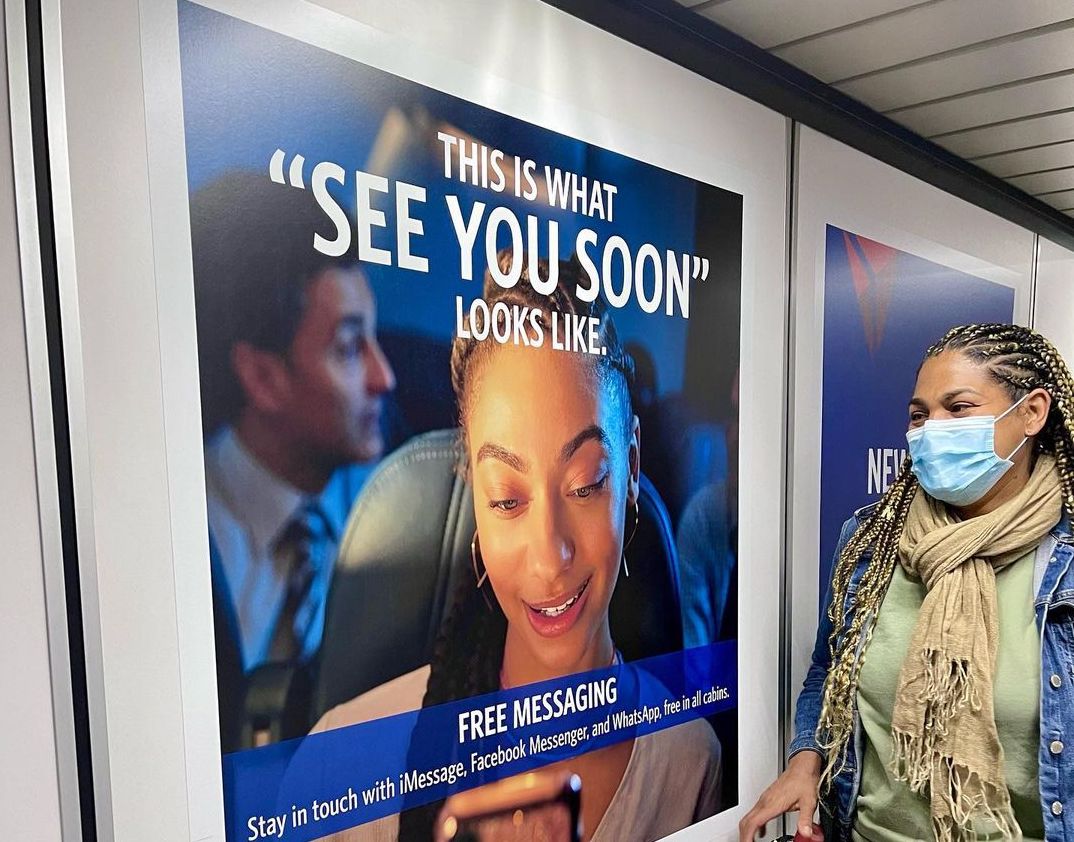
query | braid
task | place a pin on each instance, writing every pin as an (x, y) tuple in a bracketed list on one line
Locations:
[(468, 651), (1021, 360), (466, 662), (851, 631)]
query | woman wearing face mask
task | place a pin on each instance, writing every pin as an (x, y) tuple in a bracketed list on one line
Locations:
[(553, 454), (942, 688)]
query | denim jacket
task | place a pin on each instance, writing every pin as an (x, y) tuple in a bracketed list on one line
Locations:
[(1054, 606)]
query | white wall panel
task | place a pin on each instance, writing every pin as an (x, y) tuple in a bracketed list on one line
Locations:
[(1054, 300), (112, 357), (29, 774)]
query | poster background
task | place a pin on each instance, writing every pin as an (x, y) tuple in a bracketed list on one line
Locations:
[(882, 308)]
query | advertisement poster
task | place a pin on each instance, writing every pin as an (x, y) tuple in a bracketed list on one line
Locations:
[(469, 395), (882, 308)]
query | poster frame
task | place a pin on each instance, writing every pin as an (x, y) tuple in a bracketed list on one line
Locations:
[(182, 710)]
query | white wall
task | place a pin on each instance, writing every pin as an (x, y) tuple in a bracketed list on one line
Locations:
[(29, 788), (97, 147), (1053, 307), (129, 340)]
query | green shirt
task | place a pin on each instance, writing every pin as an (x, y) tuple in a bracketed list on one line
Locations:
[(887, 810)]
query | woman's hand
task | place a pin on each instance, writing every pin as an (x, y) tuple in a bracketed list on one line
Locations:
[(795, 789)]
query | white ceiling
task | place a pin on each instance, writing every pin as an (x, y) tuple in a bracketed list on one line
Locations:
[(990, 80)]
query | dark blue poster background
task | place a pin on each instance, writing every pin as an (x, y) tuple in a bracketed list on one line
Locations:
[(258, 104), (882, 308)]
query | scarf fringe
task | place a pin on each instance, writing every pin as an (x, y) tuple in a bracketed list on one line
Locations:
[(949, 687), (966, 798), (971, 801), (911, 760)]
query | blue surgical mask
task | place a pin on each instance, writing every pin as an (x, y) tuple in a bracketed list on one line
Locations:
[(955, 459)]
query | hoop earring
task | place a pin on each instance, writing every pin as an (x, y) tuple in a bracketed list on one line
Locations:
[(480, 577), (630, 540)]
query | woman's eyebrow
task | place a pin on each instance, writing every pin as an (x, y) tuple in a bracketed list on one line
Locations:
[(592, 432), (956, 392), (916, 401), (490, 450)]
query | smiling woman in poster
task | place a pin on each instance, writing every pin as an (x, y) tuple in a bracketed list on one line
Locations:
[(553, 452), (942, 687)]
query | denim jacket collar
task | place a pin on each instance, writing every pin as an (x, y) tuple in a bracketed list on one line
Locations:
[(1053, 572), (1061, 531)]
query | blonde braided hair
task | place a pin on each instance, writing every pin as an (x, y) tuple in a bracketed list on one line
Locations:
[(1020, 360)]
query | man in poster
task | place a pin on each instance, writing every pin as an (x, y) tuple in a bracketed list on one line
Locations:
[(292, 378)]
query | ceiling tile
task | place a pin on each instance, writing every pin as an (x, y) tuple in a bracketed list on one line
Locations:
[(992, 81), (1022, 100), (1033, 159), (997, 64), (1063, 200), (1043, 182), (1034, 131), (919, 32), (768, 23)]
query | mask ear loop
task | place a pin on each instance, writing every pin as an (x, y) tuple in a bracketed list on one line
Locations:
[(1007, 412), (1011, 408), (1020, 446)]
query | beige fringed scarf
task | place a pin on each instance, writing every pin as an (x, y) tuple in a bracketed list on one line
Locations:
[(943, 727)]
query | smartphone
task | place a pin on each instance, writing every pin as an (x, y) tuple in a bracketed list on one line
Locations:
[(539, 806)]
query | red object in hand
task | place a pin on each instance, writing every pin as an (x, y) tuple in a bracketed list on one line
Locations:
[(818, 835)]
